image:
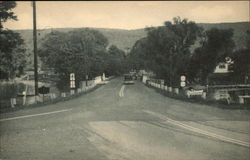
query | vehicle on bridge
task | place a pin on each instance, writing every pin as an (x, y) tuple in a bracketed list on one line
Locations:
[(128, 79)]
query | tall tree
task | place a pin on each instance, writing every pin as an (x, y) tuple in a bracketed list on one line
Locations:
[(80, 52), (241, 66), (12, 57), (217, 45), (168, 46), (5, 11), (136, 58), (115, 61)]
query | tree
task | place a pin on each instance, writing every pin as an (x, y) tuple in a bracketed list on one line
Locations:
[(12, 57), (168, 48), (248, 39), (137, 58), (217, 45), (115, 61), (5, 11), (241, 66), (81, 52)]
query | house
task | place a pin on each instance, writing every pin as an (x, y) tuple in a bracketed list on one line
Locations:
[(224, 67)]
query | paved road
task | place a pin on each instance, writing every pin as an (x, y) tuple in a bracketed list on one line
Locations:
[(129, 122)]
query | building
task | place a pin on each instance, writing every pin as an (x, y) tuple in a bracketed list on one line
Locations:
[(224, 67)]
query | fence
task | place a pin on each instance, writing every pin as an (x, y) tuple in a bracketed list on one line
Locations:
[(55, 95), (213, 95)]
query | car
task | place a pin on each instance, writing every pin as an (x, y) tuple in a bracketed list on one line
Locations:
[(194, 91), (128, 79), (223, 95)]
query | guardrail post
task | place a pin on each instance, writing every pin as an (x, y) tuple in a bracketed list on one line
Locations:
[(241, 100), (176, 90), (169, 89), (204, 95), (13, 102), (63, 94), (52, 95), (166, 88), (72, 91), (79, 90)]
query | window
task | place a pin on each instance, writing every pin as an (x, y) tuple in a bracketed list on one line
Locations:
[(222, 66)]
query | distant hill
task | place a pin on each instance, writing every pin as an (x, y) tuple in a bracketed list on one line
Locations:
[(239, 28), (125, 39)]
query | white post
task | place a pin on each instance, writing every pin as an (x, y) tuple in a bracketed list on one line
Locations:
[(13, 102), (166, 88), (24, 94), (52, 96), (170, 89), (241, 100), (204, 95), (72, 91), (79, 90), (63, 94), (176, 90)]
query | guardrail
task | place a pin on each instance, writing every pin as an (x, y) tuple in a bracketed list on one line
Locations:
[(29, 100), (210, 96)]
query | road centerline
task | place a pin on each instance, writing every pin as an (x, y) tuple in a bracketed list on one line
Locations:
[(121, 92)]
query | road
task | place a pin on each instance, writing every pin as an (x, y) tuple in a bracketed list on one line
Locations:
[(125, 122)]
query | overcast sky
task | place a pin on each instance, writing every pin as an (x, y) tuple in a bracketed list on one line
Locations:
[(125, 15)]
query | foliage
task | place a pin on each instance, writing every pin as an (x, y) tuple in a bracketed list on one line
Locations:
[(241, 67), (137, 59), (115, 61), (8, 90), (82, 52), (125, 39), (12, 57), (248, 39), (216, 46), (166, 49), (5, 11), (78, 52)]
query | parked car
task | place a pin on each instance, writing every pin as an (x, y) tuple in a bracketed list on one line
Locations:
[(222, 95), (195, 90)]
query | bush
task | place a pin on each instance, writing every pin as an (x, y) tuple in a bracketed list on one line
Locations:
[(8, 90)]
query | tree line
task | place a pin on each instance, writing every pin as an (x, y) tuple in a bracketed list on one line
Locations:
[(85, 52), (182, 47), (12, 49)]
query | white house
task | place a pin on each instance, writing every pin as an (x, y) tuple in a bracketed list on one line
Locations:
[(224, 67)]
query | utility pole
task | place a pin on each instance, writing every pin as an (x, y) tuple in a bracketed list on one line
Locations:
[(84, 48), (35, 48)]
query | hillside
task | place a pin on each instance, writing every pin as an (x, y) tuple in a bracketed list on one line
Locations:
[(125, 39), (239, 28)]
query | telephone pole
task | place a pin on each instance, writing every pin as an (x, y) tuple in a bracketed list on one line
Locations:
[(35, 48)]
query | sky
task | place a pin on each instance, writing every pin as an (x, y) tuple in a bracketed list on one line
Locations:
[(125, 15)]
